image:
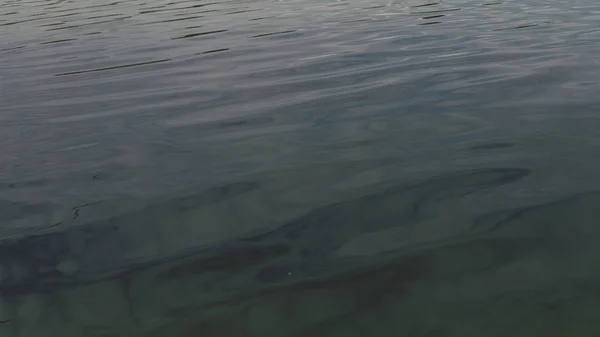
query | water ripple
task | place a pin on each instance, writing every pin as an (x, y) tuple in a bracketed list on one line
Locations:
[(123, 116), (113, 67)]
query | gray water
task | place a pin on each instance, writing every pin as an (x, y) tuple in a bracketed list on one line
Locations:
[(299, 168)]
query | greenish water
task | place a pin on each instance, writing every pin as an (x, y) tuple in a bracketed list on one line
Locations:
[(299, 168)]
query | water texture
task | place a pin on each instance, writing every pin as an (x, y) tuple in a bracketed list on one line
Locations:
[(299, 168)]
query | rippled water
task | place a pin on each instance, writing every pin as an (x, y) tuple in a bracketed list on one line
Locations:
[(299, 168)]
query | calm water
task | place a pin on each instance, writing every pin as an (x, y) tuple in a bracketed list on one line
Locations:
[(299, 168)]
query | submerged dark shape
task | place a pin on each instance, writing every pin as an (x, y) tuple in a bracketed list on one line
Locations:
[(316, 236), (312, 240), (350, 293), (492, 146), (10, 211), (568, 224), (94, 251), (301, 250)]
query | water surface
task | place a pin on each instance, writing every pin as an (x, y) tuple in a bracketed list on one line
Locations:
[(299, 168)]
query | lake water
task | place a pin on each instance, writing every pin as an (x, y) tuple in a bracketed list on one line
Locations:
[(299, 168)]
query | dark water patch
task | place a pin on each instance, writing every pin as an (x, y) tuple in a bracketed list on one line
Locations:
[(213, 195), (439, 11), (86, 8), (170, 20), (26, 184), (38, 256), (17, 210), (52, 24), (58, 41), (64, 10), (232, 259), (176, 3), (187, 36), (441, 263), (99, 16), (430, 23), (316, 236), (273, 274), (261, 18), (154, 11), (551, 222), (527, 25), (375, 7), (274, 33), (492, 146), (215, 51), (357, 20), (12, 48), (104, 5), (242, 11), (77, 209), (312, 239), (373, 212), (166, 9), (426, 5), (229, 267), (339, 4), (36, 267), (113, 67), (88, 24), (11, 23), (63, 15), (358, 292), (245, 122), (433, 17), (208, 11), (153, 7), (204, 5)]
